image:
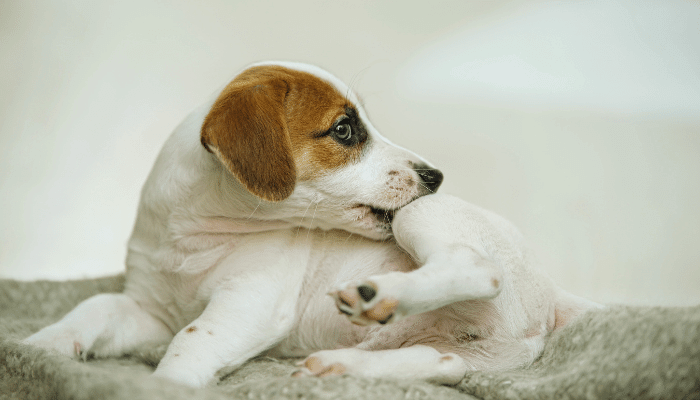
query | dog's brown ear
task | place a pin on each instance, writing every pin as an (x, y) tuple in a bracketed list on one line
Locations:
[(246, 129)]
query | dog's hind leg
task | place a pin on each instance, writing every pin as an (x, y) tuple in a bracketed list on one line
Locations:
[(108, 324), (455, 244), (460, 275), (415, 362)]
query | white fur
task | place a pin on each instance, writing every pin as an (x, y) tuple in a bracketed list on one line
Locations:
[(226, 276)]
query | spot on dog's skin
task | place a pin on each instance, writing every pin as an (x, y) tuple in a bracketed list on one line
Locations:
[(495, 282), (191, 329), (392, 173), (446, 358), (465, 337), (176, 355), (209, 332)]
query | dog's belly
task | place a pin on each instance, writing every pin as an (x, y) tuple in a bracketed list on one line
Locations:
[(334, 257), (335, 260)]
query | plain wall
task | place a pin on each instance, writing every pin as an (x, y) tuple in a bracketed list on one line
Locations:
[(579, 121)]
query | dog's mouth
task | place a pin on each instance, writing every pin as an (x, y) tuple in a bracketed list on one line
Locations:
[(382, 215), (371, 221)]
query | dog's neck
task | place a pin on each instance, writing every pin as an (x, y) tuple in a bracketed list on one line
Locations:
[(233, 209)]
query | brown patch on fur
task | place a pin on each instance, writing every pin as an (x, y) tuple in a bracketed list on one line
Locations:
[(263, 128), (532, 332), (446, 358), (209, 332), (562, 316), (495, 282), (191, 329)]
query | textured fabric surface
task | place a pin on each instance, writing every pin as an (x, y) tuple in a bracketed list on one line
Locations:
[(616, 353)]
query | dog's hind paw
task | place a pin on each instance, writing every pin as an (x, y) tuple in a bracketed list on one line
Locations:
[(364, 305), (63, 341), (414, 362), (315, 366)]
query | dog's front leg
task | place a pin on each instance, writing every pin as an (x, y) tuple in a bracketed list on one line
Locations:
[(105, 325), (236, 325), (248, 312)]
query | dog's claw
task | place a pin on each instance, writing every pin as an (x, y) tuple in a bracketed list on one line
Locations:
[(78, 350)]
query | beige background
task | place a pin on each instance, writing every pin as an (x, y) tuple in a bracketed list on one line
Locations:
[(577, 120)]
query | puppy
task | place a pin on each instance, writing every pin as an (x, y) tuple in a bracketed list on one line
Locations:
[(277, 191)]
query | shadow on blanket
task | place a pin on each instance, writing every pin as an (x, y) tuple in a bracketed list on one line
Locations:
[(618, 353)]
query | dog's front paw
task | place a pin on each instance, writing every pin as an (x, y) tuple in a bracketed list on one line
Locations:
[(364, 304), (61, 340)]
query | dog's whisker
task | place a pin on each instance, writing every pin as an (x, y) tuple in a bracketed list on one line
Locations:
[(348, 238), (302, 217), (355, 80), (312, 221), (426, 188), (254, 210)]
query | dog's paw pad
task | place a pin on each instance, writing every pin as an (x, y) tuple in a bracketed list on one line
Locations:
[(367, 292), (364, 305), (382, 311), (313, 366), (347, 300)]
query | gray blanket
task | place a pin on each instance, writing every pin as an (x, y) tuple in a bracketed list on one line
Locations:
[(617, 353)]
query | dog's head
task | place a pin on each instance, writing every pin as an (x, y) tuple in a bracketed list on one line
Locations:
[(297, 139)]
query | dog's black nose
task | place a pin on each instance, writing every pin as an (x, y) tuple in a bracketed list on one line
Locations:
[(431, 177)]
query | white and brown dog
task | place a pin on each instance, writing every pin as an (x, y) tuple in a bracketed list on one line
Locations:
[(279, 191)]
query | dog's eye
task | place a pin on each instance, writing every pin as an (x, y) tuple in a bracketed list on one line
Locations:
[(343, 132)]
